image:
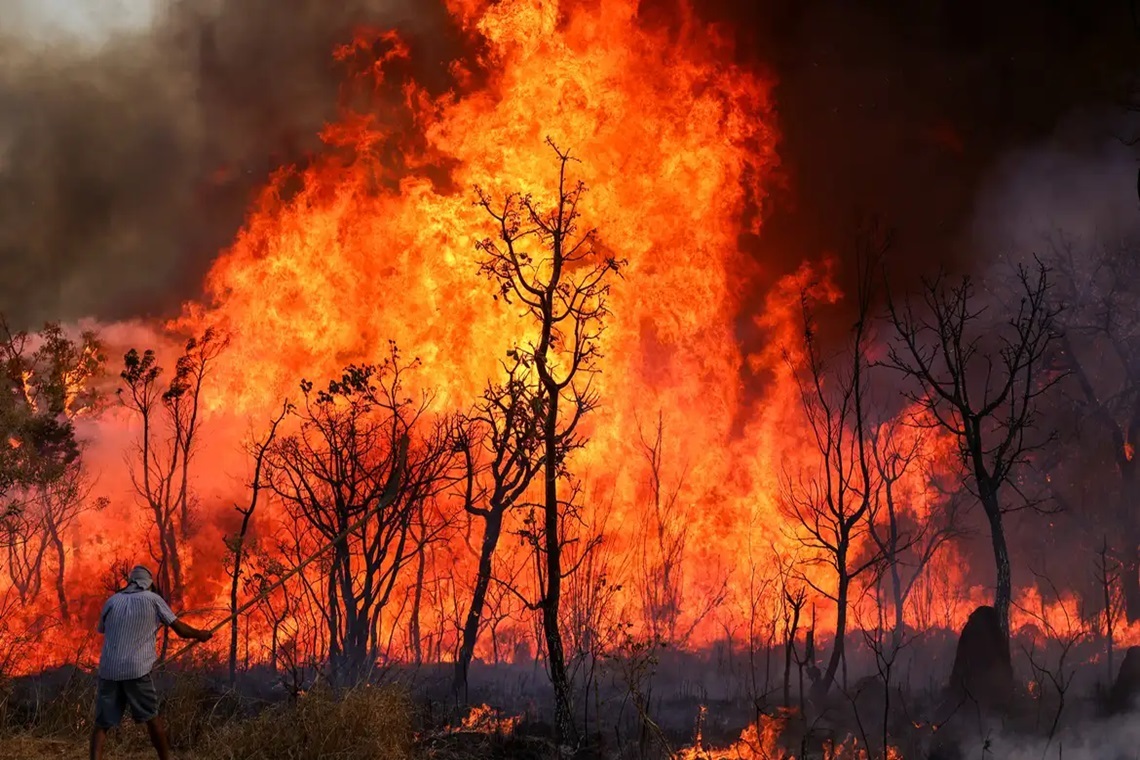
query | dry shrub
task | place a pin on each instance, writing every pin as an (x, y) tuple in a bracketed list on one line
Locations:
[(365, 723), (62, 708)]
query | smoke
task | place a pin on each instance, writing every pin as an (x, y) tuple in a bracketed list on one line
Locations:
[(133, 137), (1079, 183), (1094, 740)]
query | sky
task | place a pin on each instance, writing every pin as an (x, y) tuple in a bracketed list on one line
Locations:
[(91, 21)]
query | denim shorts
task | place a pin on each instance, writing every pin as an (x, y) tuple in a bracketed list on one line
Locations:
[(114, 697)]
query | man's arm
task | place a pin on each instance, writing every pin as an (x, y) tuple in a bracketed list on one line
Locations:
[(166, 616), (101, 627), (189, 632)]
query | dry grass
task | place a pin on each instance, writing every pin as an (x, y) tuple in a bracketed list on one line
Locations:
[(366, 723)]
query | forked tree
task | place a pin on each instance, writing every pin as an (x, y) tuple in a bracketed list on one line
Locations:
[(502, 456), (543, 260), (340, 479), (831, 502), (169, 420), (980, 371)]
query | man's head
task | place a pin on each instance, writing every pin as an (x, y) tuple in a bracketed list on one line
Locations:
[(141, 577)]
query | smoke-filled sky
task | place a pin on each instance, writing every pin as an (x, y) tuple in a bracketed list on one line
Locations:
[(134, 132)]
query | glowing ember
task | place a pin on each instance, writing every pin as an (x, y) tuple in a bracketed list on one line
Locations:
[(483, 719)]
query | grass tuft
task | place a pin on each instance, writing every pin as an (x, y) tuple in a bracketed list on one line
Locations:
[(364, 723)]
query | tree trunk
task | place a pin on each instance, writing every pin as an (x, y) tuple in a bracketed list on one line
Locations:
[(1130, 580), (1130, 539), (789, 647), (837, 650), (60, 571), (551, 603), (414, 632), (475, 614), (1003, 588), (900, 601)]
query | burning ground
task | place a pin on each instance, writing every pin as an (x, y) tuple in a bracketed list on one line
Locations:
[(494, 396)]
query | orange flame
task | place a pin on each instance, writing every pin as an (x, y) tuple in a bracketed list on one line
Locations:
[(484, 719), (375, 240)]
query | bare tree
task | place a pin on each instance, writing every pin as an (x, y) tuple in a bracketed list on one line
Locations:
[(562, 287), (907, 541), (1107, 577), (502, 446), (1099, 342), (1062, 636), (663, 538), (334, 470), (832, 505), (167, 443), (36, 529), (237, 545), (982, 382)]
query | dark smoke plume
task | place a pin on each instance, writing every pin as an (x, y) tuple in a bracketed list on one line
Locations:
[(128, 156)]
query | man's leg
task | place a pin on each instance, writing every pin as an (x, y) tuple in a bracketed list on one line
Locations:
[(143, 700), (98, 736), (110, 702), (157, 730)]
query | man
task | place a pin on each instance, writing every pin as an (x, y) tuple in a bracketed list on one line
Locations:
[(129, 623)]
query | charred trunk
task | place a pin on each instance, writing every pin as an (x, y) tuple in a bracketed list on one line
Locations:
[(60, 573), (478, 600), (1003, 587), (414, 632), (1130, 550), (552, 599), (821, 688)]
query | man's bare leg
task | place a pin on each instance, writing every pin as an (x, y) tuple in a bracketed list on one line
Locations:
[(157, 730), (98, 736)]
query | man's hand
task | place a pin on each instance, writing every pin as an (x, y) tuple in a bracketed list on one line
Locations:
[(190, 632)]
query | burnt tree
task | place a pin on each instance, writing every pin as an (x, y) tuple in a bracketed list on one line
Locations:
[(907, 541), (1099, 345), (238, 545), (981, 379), (544, 261), (169, 419), (333, 475), (831, 502), (502, 454)]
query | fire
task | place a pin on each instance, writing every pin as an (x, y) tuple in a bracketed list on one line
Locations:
[(484, 719), (676, 147), (759, 741), (374, 240), (762, 741)]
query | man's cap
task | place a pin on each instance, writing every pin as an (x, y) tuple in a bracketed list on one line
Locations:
[(141, 577)]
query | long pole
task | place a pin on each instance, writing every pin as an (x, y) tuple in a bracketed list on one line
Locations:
[(390, 492)]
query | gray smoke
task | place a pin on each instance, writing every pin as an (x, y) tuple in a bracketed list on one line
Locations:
[(1080, 183), (134, 134)]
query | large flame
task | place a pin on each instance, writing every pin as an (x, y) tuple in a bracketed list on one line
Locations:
[(375, 241), (675, 145)]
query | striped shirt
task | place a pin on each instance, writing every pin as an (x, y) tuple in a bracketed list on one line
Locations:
[(129, 623)]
